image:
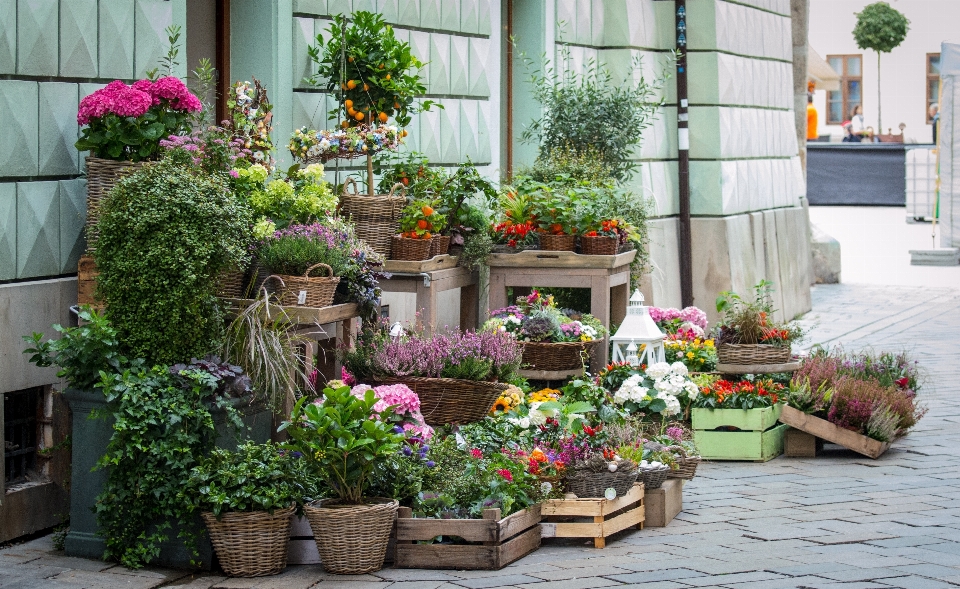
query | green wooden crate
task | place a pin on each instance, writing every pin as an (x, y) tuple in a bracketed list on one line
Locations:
[(758, 420), (759, 446)]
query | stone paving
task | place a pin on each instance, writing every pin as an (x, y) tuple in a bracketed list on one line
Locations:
[(839, 520)]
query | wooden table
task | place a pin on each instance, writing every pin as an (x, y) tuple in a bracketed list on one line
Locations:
[(607, 277), (428, 285)]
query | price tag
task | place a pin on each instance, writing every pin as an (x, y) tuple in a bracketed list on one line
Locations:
[(302, 298)]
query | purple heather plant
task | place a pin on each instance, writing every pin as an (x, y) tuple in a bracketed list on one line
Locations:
[(469, 356)]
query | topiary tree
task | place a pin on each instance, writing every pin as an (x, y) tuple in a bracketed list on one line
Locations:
[(882, 28), (165, 233)]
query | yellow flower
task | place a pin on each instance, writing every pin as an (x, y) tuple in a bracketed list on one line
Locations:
[(708, 343), (690, 355)]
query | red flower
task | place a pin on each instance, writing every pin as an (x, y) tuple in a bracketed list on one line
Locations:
[(506, 474), (903, 382), (476, 453)]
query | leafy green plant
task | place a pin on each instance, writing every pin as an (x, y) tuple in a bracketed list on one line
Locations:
[(421, 220), (344, 438), (255, 477), (82, 352), (165, 233), (566, 165), (882, 28), (745, 321)]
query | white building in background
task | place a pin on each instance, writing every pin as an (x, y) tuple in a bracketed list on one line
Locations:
[(908, 75)]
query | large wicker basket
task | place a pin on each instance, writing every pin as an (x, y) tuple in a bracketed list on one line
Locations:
[(406, 248), (585, 483), (230, 283), (439, 245), (558, 356), (751, 354), (102, 176), (557, 243), (351, 539), (598, 246), (377, 218), (308, 291), (451, 401), (250, 544), (652, 478)]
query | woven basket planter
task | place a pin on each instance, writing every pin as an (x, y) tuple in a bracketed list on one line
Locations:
[(598, 246), (439, 245), (376, 218), (687, 470), (250, 544), (414, 250), (230, 284), (557, 243), (587, 484), (451, 401), (558, 356), (351, 539), (308, 291), (751, 354), (102, 176), (652, 478)]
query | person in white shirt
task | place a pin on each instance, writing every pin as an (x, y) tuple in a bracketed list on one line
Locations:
[(857, 128)]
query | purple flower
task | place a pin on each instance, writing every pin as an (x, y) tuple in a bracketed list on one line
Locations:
[(431, 463)]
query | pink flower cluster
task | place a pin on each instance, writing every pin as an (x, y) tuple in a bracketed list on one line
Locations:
[(406, 402), (134, 101), (691, 315)]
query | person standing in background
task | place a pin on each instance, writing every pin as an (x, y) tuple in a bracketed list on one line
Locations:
[(935, 120), (811, 119)]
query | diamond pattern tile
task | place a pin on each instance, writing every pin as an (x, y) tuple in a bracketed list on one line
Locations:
[(439, 63), (566, 20), (479, 66), (390, 9), (408, 13), (78, 38), (460, 76), (470, 15), (597, 22), (420, 47), (429, 143), (618, 19), (150, 20), (8, 37), (58, 128), (19, 138), (450, 15), (484, 123), (583, 22), (430, 13), (303, 37), (309, 110), (450, 132), (360, 5), (38, 229), (116, 38), (37, 37), (8, 230), (469, 130), (73, 214), (483, 17), (312, 7)]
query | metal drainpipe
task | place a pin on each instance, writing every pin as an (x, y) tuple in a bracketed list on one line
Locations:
[(683, 153)]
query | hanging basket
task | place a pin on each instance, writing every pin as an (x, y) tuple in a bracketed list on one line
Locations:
[(102, 176), (405, 248), (598, 246), (306, 290), (351, 539), (752, 354), (557, 243), (558, 356), (439, 245), (451, 401), (250, 544), (376, 218)]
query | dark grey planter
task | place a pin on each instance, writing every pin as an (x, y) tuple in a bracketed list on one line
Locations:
[(90, 439)]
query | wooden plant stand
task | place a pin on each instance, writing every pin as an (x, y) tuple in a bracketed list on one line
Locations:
[(663, 504), (822, 428), (594, 518), (427, 286), (753, 434), (492, 542)]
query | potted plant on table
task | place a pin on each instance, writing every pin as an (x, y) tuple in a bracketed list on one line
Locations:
[(293, 253), (420, 224), (344, 438), (556, 221), (748, 334)]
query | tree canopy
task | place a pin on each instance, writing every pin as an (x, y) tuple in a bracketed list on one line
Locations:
[(880, 27)]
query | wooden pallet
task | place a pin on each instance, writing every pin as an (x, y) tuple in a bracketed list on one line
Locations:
[(822, 428), (663, 504), (593, 518), (491, 543)]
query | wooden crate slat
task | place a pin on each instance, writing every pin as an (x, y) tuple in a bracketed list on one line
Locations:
[(591, 507), (518, 522), (742, 445), (471, 530), (624, 520), (550, 259), (759, 419), (663, 504), (441, 262), (822, 428), (519, 546)]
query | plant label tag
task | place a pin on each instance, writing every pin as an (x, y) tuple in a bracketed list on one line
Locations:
[(302, 298), (610, 494)]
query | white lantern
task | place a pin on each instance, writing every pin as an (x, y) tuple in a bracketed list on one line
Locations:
[(638, 331)]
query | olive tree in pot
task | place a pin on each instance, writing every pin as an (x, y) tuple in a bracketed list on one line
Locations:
[(344, 439)]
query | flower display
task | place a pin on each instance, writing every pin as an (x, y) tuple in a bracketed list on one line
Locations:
[(509, 399), (515, 235), (697, 354), (319, 146), (536, 318), (672, 321), (405, 406), (302, 195), (250, 116), (745, 394)]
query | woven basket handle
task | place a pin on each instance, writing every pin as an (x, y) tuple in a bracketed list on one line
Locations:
[(403, 189), (350, 181), (329, 269)]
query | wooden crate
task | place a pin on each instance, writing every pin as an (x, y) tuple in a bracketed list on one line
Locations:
[(441, 262), (822, 428), (492, 542), (743, 419), (663, 504), (551, 259), (800, 444), (87, 283), (738, 434), (593, 518)]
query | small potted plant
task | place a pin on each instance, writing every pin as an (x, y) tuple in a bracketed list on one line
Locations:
[(556, 221), (246, 499), (344, 438), (418, 223), (747, 333), (603, 237), (292, 254)]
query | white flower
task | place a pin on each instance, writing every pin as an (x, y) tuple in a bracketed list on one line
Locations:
[(658, 370), (673, 405), (324, 144), (679, 368), (546, 487), (692, 389)]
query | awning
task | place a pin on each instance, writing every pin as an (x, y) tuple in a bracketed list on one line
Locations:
[(820, 73)]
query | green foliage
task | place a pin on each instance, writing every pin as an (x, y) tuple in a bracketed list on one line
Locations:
[(880, 27), (82, 352), (162, 426), (344, 438), (294, 254), (565, 165), (165, 233), (256, 477), (168, 62), (203, 83), (301, 196), (476, 248)]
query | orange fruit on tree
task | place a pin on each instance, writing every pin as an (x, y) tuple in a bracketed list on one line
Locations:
[(351, 112), (405, 181), (351, 84), (426, 210), (404, 133), (381, 66), (348, 103), (387, 76), (383, 117), (350, 59), (359, 116), (366, 88), (427, 235), (396, 105), (557, 228), (422, 224)]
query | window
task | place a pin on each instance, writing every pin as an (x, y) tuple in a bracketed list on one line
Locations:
[(841, 102), (933, 81), (20, 410)]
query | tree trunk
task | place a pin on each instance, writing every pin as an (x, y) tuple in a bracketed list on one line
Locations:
[(879, 120)]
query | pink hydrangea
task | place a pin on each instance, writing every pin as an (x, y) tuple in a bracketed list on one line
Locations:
[(695, 316), (406, 405), (94, 106), (172, 89), (659, 314), (129, 102)]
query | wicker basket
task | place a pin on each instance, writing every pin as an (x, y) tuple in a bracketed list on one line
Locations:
[(250, 544), (751, 354), (451, 401), (351, 539), (652, 478), (102, 176), (377, 218), (230, 284), (586, 484), (598, 246), (558, 356), (688, 468), (405, 248), (308, 291), (439, 245), (557, 243)]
